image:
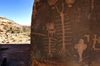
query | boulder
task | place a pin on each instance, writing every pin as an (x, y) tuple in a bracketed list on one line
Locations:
[(65, 33)]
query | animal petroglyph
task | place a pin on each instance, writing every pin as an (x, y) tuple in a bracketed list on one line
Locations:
[(49, 42), (62, 29), (94, 42), (80, 48)]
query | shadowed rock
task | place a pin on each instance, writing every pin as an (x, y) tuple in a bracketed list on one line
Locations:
[(4, 63), (3, 49)]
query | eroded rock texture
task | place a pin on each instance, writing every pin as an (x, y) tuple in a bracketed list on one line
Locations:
[(65, 33)]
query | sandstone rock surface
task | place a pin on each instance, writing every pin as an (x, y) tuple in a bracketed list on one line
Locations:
[(65, 33)]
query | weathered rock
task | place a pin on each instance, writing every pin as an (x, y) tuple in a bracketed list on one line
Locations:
[(65, 33)]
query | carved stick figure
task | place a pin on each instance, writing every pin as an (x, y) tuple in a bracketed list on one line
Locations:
[(80, 48), (94, 42), (63, 50), (51, 31)]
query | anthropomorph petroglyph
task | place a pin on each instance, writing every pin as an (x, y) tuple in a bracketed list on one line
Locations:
[(94, 42), (50, 28), (62, 29), (51, 31), (80, 48)]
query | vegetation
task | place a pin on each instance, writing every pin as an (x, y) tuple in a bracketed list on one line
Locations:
[(12, 27), (12, 32)]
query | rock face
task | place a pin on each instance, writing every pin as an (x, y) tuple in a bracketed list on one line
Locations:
[(65, 33)]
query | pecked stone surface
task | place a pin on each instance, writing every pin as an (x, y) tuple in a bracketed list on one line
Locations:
[(65, 33)]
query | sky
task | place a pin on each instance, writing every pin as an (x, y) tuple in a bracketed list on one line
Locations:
[(20, 11)]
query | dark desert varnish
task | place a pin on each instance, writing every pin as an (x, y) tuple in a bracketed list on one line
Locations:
[(65, 33)]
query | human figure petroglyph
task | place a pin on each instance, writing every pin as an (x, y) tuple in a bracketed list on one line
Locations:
[(94, 42), (80, 48), (63, 50), (79, 20), (51, 31)]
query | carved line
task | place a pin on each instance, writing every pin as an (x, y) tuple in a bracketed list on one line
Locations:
[(38, 34)]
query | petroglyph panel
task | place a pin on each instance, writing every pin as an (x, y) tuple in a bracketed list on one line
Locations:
[(66, 33)]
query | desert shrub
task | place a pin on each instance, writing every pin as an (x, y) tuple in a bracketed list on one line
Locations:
[(5, 27), (12, 31), (24, 29)]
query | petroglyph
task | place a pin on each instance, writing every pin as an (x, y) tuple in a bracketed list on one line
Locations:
[(50, 28), (49, 41), (70, 2), (62, 29), (88, 37), (63, 51), (38, 34), (98, 40), (52, 2), (92, 5), (94, 42), (80, 48)]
